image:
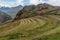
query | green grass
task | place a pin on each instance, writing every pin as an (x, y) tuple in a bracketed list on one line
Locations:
[(50, 37), (34, 28)]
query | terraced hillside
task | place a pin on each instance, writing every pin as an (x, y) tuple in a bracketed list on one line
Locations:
[(37, 27)]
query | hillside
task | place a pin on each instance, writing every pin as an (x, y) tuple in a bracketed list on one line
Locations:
[(40, 9), (4, 17), (41, 22)]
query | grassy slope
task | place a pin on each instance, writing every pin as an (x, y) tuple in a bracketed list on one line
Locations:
[(34, 28)]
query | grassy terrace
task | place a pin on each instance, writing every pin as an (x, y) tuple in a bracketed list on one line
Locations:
[(34, 28)]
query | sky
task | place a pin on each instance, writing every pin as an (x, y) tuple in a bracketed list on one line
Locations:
[(13, 3)]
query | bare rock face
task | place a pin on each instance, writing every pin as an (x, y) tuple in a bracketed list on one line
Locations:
[(4, 17), (35, 10)]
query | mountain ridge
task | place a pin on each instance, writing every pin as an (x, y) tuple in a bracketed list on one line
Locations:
[(11, 11), (4, 17), (40, 9), (33, 23)]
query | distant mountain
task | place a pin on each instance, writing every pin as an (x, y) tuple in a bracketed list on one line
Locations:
[(5, 9), (4, 17), (35, 10), (11, 11)]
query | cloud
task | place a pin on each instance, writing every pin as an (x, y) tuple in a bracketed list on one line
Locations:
[(11, 4), (21, 2), (34, 1), (52, 2)]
